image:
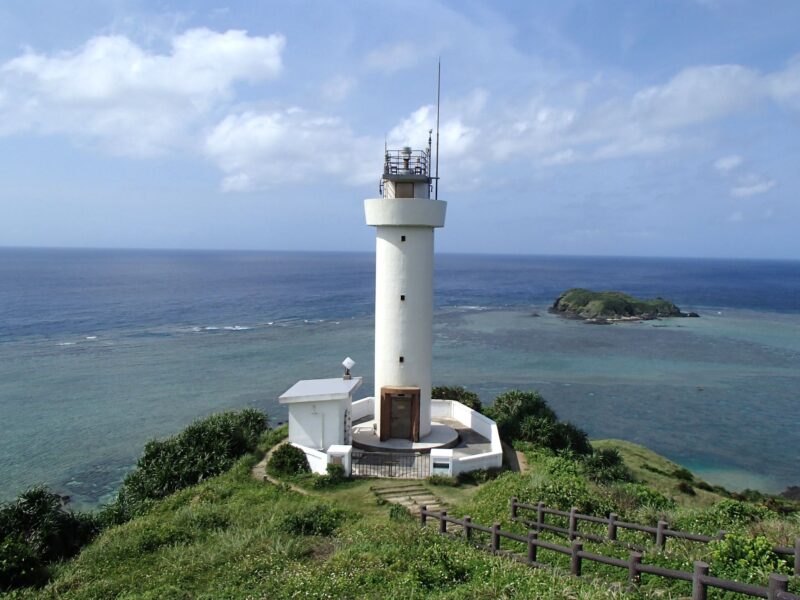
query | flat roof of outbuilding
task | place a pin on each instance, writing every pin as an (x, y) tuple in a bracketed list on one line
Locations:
[(320, 390)]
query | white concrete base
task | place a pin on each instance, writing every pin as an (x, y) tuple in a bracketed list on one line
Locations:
[(441, 436)]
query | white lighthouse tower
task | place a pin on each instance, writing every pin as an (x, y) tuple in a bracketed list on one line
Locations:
[(405, 218)]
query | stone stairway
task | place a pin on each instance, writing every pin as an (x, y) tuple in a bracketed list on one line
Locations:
[(410, 495)]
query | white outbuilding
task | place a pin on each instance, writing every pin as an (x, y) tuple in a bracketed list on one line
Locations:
[(320, 413)]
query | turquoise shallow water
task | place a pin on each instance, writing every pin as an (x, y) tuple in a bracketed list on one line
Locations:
[(117, 349)]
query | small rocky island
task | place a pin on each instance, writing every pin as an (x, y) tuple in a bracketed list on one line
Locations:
[(612, 307)]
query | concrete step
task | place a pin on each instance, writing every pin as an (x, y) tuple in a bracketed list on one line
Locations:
[(399, 489)]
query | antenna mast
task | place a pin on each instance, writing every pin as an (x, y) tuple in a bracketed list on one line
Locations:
[(438, 102)]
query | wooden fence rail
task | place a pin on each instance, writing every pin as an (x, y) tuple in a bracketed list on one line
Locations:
[(660, 533), (777, 588)]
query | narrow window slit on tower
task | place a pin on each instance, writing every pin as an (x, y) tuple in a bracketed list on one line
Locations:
[(402, 238), (402, 297), (402, 358)]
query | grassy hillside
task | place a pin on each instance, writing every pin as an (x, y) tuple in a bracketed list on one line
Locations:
[(233, 536), (663, 475), (562, 482)]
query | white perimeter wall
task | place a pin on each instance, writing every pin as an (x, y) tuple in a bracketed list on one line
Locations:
[(478, 423), (318, 461)]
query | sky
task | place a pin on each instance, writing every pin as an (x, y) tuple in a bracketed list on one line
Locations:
[(662, 128)]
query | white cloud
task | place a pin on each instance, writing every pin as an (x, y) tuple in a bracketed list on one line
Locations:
[(338, 88), (393, 57), (727, 163), (258, 150), (697, 94), (130, 100), (753, 188)]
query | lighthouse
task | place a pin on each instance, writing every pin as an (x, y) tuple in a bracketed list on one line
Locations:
[(405, 217)]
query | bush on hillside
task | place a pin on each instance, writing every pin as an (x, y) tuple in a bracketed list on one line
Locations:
[(743, 558), (287, 461), (479, 475), (459, 394), (316, 519), (36, 529), (630, 497), (204, 449), (526, 416), (334, 476), (606, 466)]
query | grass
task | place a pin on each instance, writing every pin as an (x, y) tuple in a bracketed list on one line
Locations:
[(225, 538), (658, 473), (230, 537)]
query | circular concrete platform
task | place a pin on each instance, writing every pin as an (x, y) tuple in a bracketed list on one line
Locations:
[(441, 436)]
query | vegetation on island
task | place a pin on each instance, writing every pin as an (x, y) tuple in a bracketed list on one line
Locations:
[(231, 535), (608, 306)]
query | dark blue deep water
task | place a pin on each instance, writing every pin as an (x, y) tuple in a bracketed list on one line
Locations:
[(101, 350)]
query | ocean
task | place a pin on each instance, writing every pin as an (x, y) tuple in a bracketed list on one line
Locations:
[(102, 350)]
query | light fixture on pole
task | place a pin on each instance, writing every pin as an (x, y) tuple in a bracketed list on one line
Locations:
[(348, 363)]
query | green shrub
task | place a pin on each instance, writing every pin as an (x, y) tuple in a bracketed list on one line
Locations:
[(399, 513), (512, 408), (36, 529), (743, 558), (459, 394), (685, 488), (316, 519), (526, 416), (288, 460), (628, 497), (606, 466), (683, 474), (727, 512), (567, 491), (443, 480), (704, 486), (334, 476), (204, 449), (479, 476), (19, 565)]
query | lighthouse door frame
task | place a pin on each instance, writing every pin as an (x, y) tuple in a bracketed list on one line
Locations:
[(387, 395)]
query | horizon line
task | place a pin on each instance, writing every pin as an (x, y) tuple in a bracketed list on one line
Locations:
[(449, 253)]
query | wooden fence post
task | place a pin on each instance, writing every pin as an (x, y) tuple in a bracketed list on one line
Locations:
[(423, 515), (777, 583), (532, 537), (797, 557), (573, 523), (495, 538), (575, 562), (634, 560), (661, 538), (442, 521), (514, 507), (467, 528), (612, 527), (699, 588), (539, 516)]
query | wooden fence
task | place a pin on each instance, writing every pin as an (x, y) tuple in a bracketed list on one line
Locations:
[(701, 581), (661, 533)]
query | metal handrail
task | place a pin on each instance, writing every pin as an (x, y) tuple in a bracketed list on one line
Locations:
[(407, 162)]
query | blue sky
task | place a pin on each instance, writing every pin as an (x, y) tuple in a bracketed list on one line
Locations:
[(618, 128)]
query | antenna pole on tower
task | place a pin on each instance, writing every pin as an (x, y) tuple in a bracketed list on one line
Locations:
[(438, 102)]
